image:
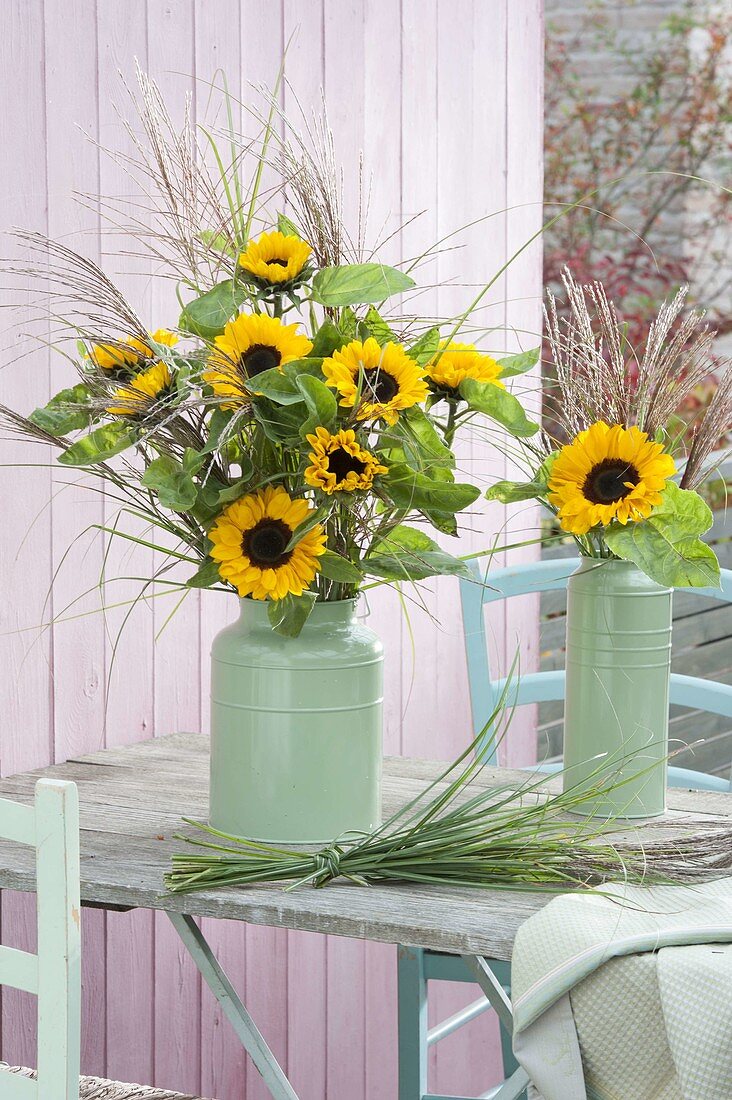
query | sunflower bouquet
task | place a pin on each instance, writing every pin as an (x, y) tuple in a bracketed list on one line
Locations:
[(285, 437), (611, 467)]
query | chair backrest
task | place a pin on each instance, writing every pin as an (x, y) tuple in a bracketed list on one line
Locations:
[(51, 826), (538, 687)]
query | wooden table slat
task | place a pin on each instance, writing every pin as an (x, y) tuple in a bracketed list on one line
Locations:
[(133, 798)]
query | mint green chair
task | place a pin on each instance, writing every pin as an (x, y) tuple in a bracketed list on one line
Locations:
[(416, 967), (51, 827)]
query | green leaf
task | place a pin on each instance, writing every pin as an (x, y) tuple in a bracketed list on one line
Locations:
[(275, 385), (518, 364), (68, 411), (287, 227), (348, 325), (314, 517), (337, 568), (511, 492), (321, 403), (415, 566), (217, 425), (289, 615), (238, 488), (173, 484), (410, 490), (193, 460), (666, 546), (206, 576), (280, 423), (311, 365), (426, 347), (378, 328), (409, 554), (405, 538), (355, 284), (99, 445), (218, 241), (424, 450), (499, 405), (206, 316), (327, 339)]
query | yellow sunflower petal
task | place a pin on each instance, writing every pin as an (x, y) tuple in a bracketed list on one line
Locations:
[(275, 258), (250, 539), (605, 474)]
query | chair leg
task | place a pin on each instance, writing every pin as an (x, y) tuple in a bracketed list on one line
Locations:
[(412, 1013)]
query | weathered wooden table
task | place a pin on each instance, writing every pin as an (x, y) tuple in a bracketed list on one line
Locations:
[(132, 800)]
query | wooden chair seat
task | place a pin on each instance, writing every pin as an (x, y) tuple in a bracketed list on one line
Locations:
[(98, 1088)]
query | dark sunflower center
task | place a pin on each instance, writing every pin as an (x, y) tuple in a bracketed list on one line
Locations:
[(259, 358), (381, 387), (278, 261), (608, 481), (342, 464), (265, 543)]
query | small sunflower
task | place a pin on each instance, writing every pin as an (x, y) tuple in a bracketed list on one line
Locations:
[(275, 258), (131, 351), (249, 345), (250, 540), (138, 395), (339, 464), (608, 474), (456, 362), (378, 381)]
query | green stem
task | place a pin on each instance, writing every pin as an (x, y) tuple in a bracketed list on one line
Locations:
[(451, 421)]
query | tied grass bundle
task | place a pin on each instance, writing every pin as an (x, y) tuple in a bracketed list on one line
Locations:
[(458, 832)]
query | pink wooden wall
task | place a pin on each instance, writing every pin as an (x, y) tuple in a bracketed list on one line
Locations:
[(444, 99)]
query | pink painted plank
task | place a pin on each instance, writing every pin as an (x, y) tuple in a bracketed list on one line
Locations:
[(307, 995), (419, 163), (25, 572), (223, 1062), (79, 675), (524, 167), (122, 36), (344, 80), (218, 30), (469, 187), (177, 696), (382, 148), (262, 46)]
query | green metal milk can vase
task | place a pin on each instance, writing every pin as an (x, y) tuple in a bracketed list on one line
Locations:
[(617, 689), (296, 726)]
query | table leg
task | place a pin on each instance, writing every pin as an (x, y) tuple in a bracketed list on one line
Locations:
[(515, 1086), (247, 1031)]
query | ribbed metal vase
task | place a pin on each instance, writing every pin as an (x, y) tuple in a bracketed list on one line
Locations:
[(617, 691), (296, 726)]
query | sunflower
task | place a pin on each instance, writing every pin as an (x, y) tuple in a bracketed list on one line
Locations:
[(138, 395), (608, 474), (250, 545), (378, 381), (339, 463), (456, 362), (251, 344), (130, 351), (275, 258)]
